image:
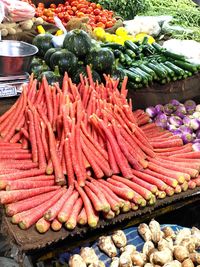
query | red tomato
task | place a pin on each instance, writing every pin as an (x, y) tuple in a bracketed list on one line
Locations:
[(74, 8), (99, 6), (61, 15), (96, 11), (93, 25), (100, 24), (74, 3), (60, 5), (67, 17), (109, 24), (93, 5), (98, 18), (41, 5), (103, 20), (69, 8), (44, 17), (80, 14), (58, 10), (110, 13), (66, 3), (53, 6), (71, 12), (83, 10)]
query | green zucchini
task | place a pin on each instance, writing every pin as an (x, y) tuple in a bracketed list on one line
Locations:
[(133, 76), (122, 58), (132, 46), (139, 72), (128, 59), (148, 77), (173, 55), (113, 46), (185, 65), (158, 47), (130, 53), (168, 70), (117, 53), (157, 70), (178, 71)]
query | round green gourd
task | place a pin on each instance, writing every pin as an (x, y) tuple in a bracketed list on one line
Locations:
[(55, 57), (43, 43), (49, 53), (78, 42), (68, 63), (102, 60)]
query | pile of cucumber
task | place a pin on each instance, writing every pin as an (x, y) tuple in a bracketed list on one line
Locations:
[(145, 63)]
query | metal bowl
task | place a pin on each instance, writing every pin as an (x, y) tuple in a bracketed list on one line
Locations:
[(15, 57)]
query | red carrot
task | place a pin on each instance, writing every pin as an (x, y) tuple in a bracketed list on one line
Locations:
[(8, 113), (33, 215), (184, 186), (146, 176), (16, 138), (145, 193), (190, 155), (7, 197), (32, 135), (60, 179), (191, 184), (123, 192), (178, 189), (152, 188), (100, 195), (44, 140), (68, 161), (42, 226), (64, 213), (56, 225), (72, 221), (197, 181), (112, 160), (180, 176), (169, 191), (48, 100), (38, 178), (162, 178), (16, 185), (91, 216), (97, 203), (82, 217), (27, 204), (22, 174), (52, 213), (21, 155)]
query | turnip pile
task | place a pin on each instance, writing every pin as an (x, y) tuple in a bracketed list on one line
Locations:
[(75, 154)]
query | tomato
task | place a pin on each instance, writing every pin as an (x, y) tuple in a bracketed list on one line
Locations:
[(69, 8), (100, 24), (44, 17), (41, 5), (93, 5), (60, 5), (61, 15), (67, 17), (71, 12), (80, 14), (74, 8), (110, 13), (99, 6), (83, 10), (53, 6), (74, 3), (98, 18), (109, 24), (103, 20), (93, 25), (96, 11), (66, 3), (58, 10)]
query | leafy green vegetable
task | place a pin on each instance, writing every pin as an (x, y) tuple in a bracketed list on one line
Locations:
[(185, 14), (128, 9)]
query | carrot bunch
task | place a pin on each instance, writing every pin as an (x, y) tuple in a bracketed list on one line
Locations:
[(74, 154)]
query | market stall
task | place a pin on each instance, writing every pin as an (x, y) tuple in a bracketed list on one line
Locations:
[(79, 154)]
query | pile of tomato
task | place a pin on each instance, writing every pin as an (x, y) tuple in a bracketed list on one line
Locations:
[(98, 17)]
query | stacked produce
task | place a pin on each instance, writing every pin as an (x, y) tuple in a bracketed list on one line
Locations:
[(142, 62), (98, 17), (83, 147), (163, 247), (181, 119)]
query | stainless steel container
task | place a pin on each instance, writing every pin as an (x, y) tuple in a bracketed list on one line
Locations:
[(15, 57)]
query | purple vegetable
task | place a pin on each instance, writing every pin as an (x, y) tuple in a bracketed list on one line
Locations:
[(195, 124), (151, 111), (198, 134), (197, 140), (185, 129), (175, 120), (187, 138), (190, 106), (196, 147), (177, 132), (186, 121), (159, 108), (198, 108), (171, 127), (161, 120), (174, 102), (180, 111), (168, 109), (196, 115)]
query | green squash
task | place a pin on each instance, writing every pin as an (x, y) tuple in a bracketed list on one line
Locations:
[(67, 63), (51, 76), (38, 69), (49, 53), (102, 60), (55, 57), (78, 42), (36, 61), (43, 43)]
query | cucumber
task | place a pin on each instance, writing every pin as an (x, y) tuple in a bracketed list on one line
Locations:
[(157, 70), (117, 53), (132, 46), (130, 53), (139, 72), (178, 71), (145, 40), (128, 59), (133, 76), (113, 46), (148, 70), (185, 65), (148, 77), (158, 47), (122, 58), (168, 70), (173, 55)]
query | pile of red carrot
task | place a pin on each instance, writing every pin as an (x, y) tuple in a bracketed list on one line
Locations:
[(74, 154)]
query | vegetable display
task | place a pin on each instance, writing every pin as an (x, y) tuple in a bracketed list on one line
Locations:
[(83, 145), (162, 246), (181, 119), (98, 17)]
